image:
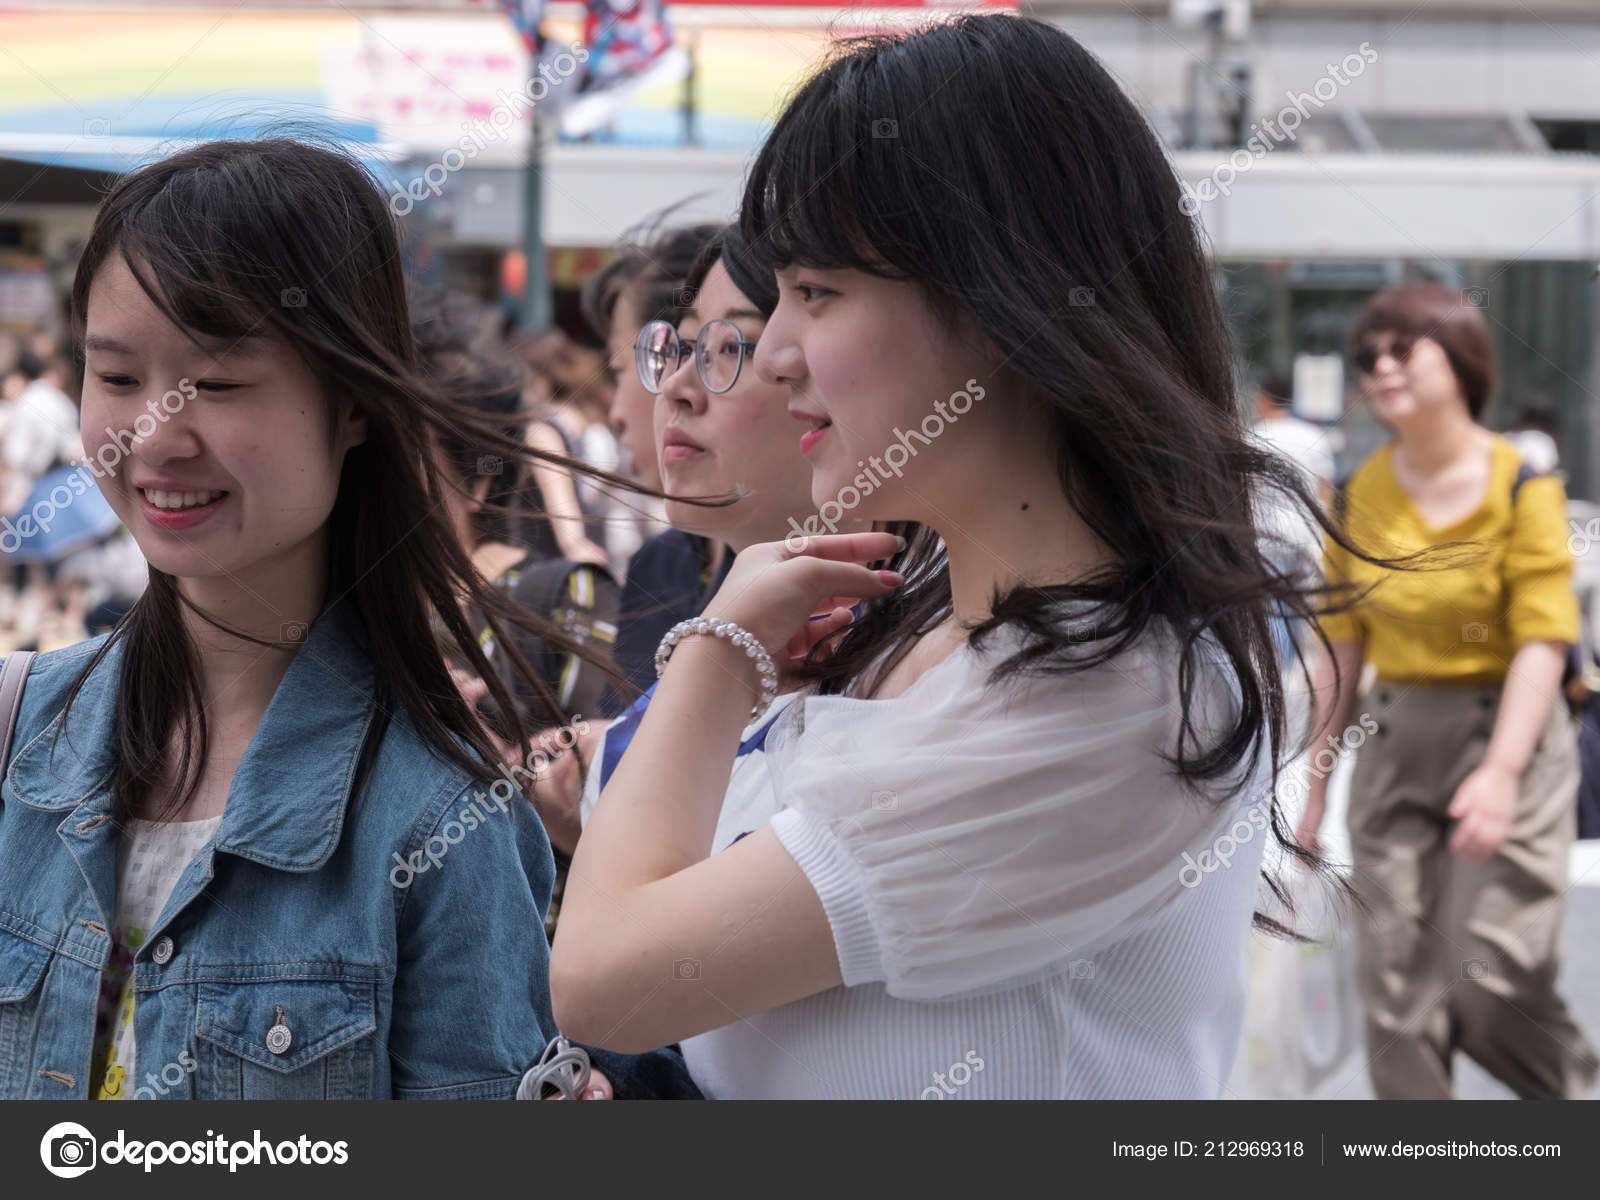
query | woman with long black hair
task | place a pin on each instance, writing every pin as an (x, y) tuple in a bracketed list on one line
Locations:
[(1001, 342), (270, 850)]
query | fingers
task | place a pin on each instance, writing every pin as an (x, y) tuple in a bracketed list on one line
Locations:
[(844, 547), (472, 686), (1469, 840), (549, 743), (1464, 843), (599, 1088), (834, 579), (828, 623), (818, 628)]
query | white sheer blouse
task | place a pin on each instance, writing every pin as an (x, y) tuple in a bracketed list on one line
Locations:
[(1002, 870)]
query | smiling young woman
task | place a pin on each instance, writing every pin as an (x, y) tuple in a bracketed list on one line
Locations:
[(234, 808), (1065, 683)]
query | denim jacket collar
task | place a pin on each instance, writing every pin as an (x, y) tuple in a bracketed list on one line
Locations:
[(297, 772)]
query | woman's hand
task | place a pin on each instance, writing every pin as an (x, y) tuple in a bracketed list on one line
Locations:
[(1484, 805), (470, 684), (473, 688), (599, 1088), (774, 589), (582, 550)]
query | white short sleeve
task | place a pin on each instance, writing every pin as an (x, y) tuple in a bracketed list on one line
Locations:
[(960, 836)]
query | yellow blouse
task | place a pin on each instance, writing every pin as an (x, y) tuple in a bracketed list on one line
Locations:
[(1462, 623)]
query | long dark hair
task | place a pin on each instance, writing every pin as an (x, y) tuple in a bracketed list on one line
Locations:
[(995, 164), (217, 236)]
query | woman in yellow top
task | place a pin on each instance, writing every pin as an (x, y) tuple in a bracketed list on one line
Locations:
[(1462, 805)]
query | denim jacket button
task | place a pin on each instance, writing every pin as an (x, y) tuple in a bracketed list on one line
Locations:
[(278, 1038), (161, 953)]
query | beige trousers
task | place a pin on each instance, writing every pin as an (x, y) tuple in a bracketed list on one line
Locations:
[(1455, 956)]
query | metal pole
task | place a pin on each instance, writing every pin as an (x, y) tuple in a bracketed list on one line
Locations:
[(536, 286)]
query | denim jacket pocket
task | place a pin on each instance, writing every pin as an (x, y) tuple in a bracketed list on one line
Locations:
[(295, 1039), (22, 966)]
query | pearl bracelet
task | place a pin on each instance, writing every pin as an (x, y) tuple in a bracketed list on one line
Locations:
[(739, 636)]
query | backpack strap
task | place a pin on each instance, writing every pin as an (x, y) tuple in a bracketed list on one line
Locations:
[(543, 585), (13, 677), (1524, 473)]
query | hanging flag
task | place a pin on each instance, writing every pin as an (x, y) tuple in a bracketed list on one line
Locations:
[(630, 50), (527, 16)]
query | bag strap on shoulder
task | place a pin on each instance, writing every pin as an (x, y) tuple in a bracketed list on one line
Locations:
[(13, 677), (1524, 473)]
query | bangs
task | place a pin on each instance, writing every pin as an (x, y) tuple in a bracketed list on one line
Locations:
[(194, 273), (1412, 310), (233, 240), (828, 189)]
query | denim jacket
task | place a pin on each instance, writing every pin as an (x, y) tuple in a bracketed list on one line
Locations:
[(296, 916)]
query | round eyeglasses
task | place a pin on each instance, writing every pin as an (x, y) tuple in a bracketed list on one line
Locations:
[(719, 353)]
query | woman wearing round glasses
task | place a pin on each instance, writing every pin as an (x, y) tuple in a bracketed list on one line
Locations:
[(720, 432), (1462, 803)]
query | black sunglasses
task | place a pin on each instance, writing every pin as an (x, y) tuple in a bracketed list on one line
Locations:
[(1366, 358)]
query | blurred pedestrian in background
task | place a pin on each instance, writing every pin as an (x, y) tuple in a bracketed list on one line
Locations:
[(569, 393), (580, 598), (1462, 801), (1536, 434), (1294, 540), (39, 435)]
